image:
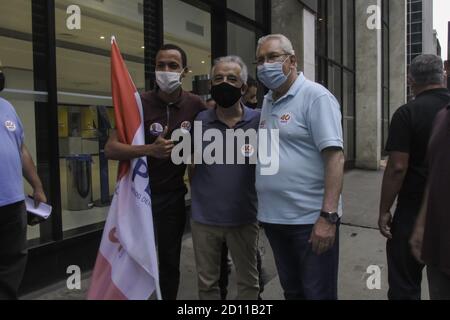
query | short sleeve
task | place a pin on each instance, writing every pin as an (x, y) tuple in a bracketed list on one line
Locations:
[(325, 123), (400, 132), (19, 125), (22, 131)]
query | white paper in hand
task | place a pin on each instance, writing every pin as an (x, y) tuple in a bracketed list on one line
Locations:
[(44, 210)]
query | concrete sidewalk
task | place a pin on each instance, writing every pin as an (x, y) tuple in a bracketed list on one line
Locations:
[(361, 246)]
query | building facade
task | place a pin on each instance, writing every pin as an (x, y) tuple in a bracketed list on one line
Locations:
[(55, 55), (420, 28), (420, 31)]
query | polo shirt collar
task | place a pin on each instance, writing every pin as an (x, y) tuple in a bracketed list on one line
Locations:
[(164, 104), (293, 90), (246, 117)]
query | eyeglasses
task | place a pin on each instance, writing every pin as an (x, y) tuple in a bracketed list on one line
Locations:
[(270, 58)]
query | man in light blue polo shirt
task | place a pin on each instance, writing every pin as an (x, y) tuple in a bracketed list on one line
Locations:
[(15, 161), (300, 206)]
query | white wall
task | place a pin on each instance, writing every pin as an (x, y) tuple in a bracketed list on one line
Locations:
[(309, 45)]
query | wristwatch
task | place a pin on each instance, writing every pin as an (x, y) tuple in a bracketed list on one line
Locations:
[(331, 217)]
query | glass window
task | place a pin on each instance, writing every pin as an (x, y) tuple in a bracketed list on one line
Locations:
[(349, 33), (335, 63), (334, 30), (85, 111), (189, 28), (242, 42), (246, 8), (334, 81), (321, 69), (16, 56), (417, 6), (321, 29)]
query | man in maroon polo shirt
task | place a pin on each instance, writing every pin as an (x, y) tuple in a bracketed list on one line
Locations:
[(166, 109)]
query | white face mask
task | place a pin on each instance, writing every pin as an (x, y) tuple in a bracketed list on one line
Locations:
[(168, 82)]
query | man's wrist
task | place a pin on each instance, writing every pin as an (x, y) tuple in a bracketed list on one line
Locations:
[(38, 187), (150, 150), (331, 217)]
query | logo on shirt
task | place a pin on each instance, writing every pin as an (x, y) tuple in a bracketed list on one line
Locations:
[(285, 118), (186, 127), (11, 126), (156, 129), (262, 125), (247, 150)]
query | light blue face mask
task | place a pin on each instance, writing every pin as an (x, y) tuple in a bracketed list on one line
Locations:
[(272, 75)]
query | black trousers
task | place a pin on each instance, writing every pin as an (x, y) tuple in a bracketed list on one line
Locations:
[(13, 245), (169, 217), (404, 271)]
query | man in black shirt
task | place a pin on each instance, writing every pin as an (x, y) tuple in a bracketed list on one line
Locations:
[(406, 174)]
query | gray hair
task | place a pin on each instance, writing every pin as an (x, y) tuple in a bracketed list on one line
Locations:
[(285, 43), (232, 59), (427, 69)]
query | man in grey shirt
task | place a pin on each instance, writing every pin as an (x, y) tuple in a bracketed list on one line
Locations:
[(224, 203)]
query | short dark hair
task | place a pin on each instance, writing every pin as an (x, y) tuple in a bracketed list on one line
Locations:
[(170, 46), (251, 82)]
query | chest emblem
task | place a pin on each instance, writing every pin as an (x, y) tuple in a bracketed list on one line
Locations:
[(285, 118), (156, 129), (11, 126), (186, 127), (248, 150)]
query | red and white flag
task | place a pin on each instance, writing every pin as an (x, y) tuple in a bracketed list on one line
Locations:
[(127, 266)]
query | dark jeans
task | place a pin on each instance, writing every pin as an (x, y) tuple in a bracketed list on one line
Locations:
[(169, 216), (303, 274), (225, 270), (404, 271), (13, 253), (439, 284)]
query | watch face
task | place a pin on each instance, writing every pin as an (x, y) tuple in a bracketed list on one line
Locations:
[(331, 217), (334, 218)]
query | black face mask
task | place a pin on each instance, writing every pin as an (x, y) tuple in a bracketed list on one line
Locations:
[(251, 105), (2, 81), (226, 95)]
